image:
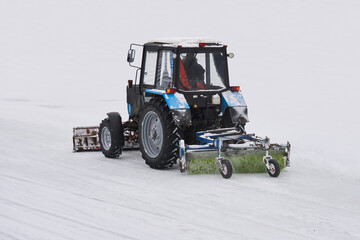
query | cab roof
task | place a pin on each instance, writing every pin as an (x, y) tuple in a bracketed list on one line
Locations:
[(186, 42)]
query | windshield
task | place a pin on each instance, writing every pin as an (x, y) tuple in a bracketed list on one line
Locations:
[(201, 71)]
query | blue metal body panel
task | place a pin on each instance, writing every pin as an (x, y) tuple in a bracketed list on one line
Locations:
[(232, 99), (173, 100)]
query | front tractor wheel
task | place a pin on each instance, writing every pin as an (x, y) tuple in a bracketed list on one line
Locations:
[(158, 134), (111, 135)]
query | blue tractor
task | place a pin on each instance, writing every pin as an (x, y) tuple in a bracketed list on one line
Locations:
[(181, 88)]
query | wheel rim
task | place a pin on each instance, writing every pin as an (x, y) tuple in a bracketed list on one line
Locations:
[(106, 138), (152, 134), (224, 169), (272, 169)]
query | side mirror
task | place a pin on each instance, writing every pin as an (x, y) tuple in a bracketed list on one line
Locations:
[(131, 55)]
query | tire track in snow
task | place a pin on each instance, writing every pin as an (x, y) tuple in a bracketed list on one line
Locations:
[(175, 218), (9, 236), (58, 216), (17, 220), (157, 214)]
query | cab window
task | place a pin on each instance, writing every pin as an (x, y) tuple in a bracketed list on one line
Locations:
[(165, 70), (201, 71), (150, 67)]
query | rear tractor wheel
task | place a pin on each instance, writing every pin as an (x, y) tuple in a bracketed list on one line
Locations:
[(158, 135)]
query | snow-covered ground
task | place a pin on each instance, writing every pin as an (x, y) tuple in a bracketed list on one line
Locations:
[(63, 64)]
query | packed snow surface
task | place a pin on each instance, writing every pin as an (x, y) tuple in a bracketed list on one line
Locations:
[(63, 64)]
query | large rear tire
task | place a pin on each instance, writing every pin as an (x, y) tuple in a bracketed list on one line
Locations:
[(158, 135), (111, 135)]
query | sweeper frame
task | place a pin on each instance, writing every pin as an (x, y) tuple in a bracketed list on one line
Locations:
[(219, 140)]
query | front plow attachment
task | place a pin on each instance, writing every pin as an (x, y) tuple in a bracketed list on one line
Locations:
[(230, 151)]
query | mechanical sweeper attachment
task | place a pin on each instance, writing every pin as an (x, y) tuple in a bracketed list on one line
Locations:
[(245, 153), (86, 139)]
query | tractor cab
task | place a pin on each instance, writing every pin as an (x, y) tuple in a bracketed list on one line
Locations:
[(186, 66), (196, 73)]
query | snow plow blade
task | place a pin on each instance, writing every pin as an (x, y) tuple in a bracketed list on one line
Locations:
[(86, 139)]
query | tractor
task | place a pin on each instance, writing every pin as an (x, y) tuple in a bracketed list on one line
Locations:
[(180, 103), (183, 88)]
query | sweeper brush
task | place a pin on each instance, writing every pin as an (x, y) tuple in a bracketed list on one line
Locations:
[(232, 151), (182, 109)]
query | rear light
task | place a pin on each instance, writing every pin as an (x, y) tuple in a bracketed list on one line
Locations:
[(235, 89), (201, 44), (170, 90)]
